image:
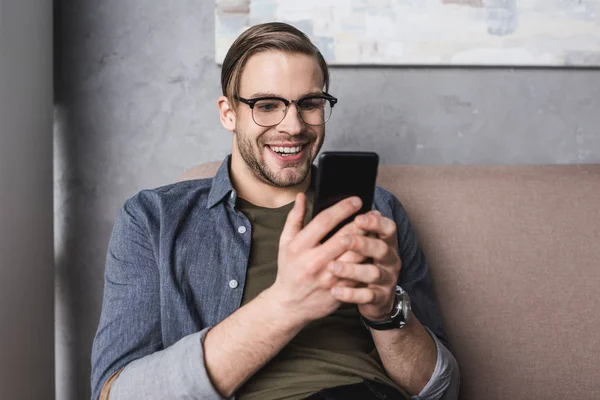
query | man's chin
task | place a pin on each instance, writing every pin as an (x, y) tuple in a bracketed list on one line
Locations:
[(289, 176)]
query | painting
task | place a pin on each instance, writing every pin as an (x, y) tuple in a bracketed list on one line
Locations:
[(429, 32)]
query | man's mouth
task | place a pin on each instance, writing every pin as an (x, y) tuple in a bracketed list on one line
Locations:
[(287, 151)]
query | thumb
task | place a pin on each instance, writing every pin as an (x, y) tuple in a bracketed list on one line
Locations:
[(294, 221)]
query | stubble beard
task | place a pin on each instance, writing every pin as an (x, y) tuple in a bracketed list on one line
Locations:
[(253, 158)]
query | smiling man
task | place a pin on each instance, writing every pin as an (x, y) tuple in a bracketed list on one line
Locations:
[(220, 288)]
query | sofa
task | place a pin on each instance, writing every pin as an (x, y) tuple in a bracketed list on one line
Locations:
[(514, 252)]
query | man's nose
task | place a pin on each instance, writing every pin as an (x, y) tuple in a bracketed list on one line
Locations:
[(291, 123)]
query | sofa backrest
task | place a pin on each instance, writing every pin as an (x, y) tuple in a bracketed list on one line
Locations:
[(515, 256)]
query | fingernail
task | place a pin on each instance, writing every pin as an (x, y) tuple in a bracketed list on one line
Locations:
[(336, 291), (361, 219), (356, 202), (345, 241)]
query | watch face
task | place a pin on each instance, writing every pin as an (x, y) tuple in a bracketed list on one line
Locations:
[(406, 305)]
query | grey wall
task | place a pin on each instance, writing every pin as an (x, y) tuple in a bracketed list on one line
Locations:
[(26, 245), (138, 90)]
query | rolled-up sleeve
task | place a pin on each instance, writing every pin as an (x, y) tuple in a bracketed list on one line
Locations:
[(445, 380), (175, 373), (129, 332)]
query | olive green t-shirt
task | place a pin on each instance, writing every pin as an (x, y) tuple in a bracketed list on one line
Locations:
[(336, 350)]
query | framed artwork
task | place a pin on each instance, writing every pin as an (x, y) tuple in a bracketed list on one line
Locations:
[(429, 32)]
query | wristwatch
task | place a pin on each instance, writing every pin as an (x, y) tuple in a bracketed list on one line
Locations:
[(399, 317)]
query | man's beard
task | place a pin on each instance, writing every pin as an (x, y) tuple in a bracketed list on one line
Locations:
[(253, 157)]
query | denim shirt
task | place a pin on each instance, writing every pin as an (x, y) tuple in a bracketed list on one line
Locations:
[(176, 266)]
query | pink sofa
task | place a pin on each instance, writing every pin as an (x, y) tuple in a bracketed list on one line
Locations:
[(515, 256)]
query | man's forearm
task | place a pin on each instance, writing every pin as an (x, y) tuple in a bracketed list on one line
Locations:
[(212, 363), (241, 344), (409, 355)]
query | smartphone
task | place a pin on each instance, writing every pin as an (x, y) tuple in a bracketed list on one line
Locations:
[(343, 174)]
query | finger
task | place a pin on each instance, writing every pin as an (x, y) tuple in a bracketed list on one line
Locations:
[(384, 227), (294, 221), (322, 255), (364, 273), (351, 256), (360, 295), (325, 221), (374, 248), (351, 229), (347, 283), (328, 280)]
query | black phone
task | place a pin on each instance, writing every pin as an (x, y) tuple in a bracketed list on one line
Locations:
[(343, 174)]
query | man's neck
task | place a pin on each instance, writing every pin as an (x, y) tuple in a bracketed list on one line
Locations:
[(260, 193)]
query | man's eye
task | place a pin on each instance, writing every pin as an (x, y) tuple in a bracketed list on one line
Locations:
[(267, 106), (312, 104)]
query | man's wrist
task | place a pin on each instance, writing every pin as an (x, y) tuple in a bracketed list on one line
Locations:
[(399, 316), (386, 314), (278, 313)]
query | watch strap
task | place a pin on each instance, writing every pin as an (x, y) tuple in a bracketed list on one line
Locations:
[(396, 321)]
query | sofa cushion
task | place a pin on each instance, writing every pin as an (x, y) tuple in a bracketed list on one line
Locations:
[(515, 256)]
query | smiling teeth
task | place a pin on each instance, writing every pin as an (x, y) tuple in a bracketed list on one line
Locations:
[(287, 150)]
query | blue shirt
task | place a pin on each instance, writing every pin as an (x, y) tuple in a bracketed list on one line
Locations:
[(176, 266)]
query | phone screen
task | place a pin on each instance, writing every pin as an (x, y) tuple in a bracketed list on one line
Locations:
[(344, 174)]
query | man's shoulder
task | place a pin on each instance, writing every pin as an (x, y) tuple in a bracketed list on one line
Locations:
[(383, 194), (389, 204), (384, 199), (169, 200)]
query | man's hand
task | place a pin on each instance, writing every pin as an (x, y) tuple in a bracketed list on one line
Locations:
[(241, 344), (409, 355), (376, 281), (303, 284)]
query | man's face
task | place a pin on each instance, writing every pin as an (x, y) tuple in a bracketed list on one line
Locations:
[(289, 76)]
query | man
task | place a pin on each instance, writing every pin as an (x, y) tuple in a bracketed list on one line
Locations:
[(219, 287)]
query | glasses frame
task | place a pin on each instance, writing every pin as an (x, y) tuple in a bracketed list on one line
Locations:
[(252, 102)]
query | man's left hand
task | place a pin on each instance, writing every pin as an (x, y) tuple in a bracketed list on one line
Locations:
[(375, 294)]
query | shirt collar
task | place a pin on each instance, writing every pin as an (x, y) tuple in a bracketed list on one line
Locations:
[(223, 187)]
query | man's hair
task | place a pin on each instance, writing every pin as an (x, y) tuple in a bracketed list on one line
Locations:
[(276, 36)]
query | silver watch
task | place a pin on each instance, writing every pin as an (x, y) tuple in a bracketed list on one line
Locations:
[(399, 317)]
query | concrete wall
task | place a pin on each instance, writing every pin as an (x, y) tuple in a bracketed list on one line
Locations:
[(26, 254), (138, 89)]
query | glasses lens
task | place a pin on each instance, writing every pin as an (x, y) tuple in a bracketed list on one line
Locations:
[(268, 112), (315, 110)]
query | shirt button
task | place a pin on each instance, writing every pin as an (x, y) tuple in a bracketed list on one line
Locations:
[(233, 283), (242, 229)]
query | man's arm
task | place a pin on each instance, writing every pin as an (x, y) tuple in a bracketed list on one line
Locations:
[(414, 357), (415, 278), (217, 361), (241, 344), (435, 372), (397, 353), (409, 354), (129, 326)]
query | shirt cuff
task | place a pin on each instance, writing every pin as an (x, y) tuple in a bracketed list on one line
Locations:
[(177, 372), (445, 380)]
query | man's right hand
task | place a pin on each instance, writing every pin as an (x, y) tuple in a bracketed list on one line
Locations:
[(245, 341), (303, 282)]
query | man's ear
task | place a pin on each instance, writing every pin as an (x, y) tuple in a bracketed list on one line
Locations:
[(226, 113)]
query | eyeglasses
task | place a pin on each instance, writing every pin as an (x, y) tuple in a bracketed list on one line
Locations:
[(270, 111)]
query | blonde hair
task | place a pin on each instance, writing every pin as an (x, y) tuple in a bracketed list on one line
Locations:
[(270, 36)]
